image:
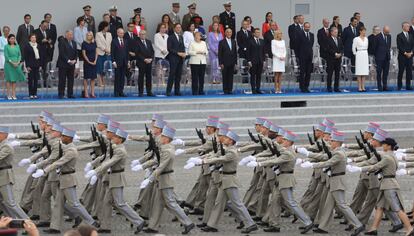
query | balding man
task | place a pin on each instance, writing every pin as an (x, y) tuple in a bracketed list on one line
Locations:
[(68, 56), (144, 54), (405, 45), (323, 36), (120, 61), (268, 37), (381, 51)]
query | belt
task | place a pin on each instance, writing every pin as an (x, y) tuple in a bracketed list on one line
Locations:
[(228, 172), (287, 172), (117, 171), (388, 176), (338, 174), (6, 167), (67, 172), (167, 172)]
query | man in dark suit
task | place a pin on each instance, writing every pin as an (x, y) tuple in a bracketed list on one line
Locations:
[(255, 58), (52, 34), (357, 16), (145, 55), (120, 61), (243, 38), (268, 37), (176, 56), (116, 22), (23, 32), (305, 41), (412, 27), (382, 53), (372, 40), (89, 19), (45, 45), (405, 45), (228, 19), (132, 41), (348, 36), (292, 33), (323, 36), (227, 56), (68, 56), (335, 50)]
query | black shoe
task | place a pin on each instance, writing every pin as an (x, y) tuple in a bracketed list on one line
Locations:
[(35, 217), (259, 92), (188, 228), (338, 216), (409, 88), (320, 231), (168, 94), (43, 224), (175, 219), (139, 228), (96, 225), (272, 229), (358, 230), (51, 231), (337, 91), (249, 229), (78, 220), (140, 95), (294, 219), (104, 231), (71, 97), (395, 228), (254, 92), (150, 95), (202, 225), (177, 94), (307, 228), (257, 218), (240, 226), (123, 95), (349, 228), (344, 222), (196, 211), (261, 223), (150, 231), (329, 90), (209, 229), (252, 213), (374, 232)]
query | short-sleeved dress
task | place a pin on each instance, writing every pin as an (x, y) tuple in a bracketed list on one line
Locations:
[(13, 74), (89, 71)]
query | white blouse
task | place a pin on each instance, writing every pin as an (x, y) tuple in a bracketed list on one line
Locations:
[(194, 51), (188, 38), (160, 45), (103, 43)]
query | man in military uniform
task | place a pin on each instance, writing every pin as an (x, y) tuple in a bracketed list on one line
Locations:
[(89, 19), (7, 177), (187, 17), (228, 18), (174, 17), (115, 22)]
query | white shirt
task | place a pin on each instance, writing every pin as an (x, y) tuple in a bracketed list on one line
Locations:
[(188, 38), (198, 59), (229, 43), (160, 45)]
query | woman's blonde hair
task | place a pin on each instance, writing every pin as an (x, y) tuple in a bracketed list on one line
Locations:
[(89, 33), (277, 33)]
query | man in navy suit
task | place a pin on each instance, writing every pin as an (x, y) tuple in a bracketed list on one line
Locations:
[(120, 61), (405, 45), (305, 40), (255, 58), (348, 36), (323, 36), (227, 56), (52, 33), (132, 41), (145, 55), (382, 53), (412, 27), (292, 33), (176, 56), (335, 50), (67, 59), (243, 38)]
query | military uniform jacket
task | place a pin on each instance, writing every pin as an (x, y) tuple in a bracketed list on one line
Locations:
[(205, 148), (66, 166), (388, 166), (175, 18), (115, 167), (29, 136), (164, 172), (229, 162), (373, 181), (6, 160), (265, 155), (49, 159)]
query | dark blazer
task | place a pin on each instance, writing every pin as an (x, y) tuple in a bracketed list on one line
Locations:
[(66, 52), (175, 46), (22, 36), (114, 25), (53, 33), (404, 45), (411, 30), (91, 23), (227, 56), (228, 21), (132, 43), (381, 49), (45, 47), (243, 42), (305, 45), (371, 44), (332, 49), (268, 37), (292, 31), (255, 52), (322, 38), (29, 56), (120, 55), (143, 52), (339, 27), (347, 39)]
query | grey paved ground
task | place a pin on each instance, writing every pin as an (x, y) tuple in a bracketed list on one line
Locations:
[(184, 181)]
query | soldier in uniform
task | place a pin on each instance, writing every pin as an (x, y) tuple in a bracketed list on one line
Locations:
[(228, 18), (187, 17), (115, 22), (89, 19), (66, 196), (174, 17), (9, 205)]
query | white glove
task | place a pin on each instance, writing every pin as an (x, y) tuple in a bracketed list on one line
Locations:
[(252, 164), (400, 155), (237, 144), (15, 143), (144, 183), (39, 173), (401, 172), (76, 138), (179, 152), (136, 168), (24, 162), (88, 167), (401, 150), (343, 145), (250, 158), (243, 161), (402, 165), (134, 163), (32, 168), (93, 180), (299, 161), (348, 160), (353, 169), (90, 173), (306, 165), (178, 142), (189, 165), (11, 136), (191, 159), (303, 151), (197, 161)]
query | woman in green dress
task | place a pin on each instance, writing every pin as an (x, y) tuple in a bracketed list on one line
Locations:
[(12, 67)]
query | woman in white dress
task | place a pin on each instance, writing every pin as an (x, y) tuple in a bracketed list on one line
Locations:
[(279, 58), (3, 43), (360, 50)]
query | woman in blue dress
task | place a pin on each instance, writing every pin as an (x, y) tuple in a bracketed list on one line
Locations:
[(90, 57)]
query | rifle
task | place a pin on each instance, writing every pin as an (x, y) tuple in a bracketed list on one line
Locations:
[(33, 127), (60, 151), (157, 154), (310, 139), (320, 148), (326, 149), (38, 132), (146, 129), (214, 141), (367, 153), (252, 137), (222, 151), (93, 133), (44, 141), (200, 135), (361, 145), (314, 134), (273, 148), (102, 144), (111, 150), (362, 136), (262, 143)]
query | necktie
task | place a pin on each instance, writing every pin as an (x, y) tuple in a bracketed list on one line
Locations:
[(353, 31), (122, 43), (407, 36), (28, 29), (307, 35), (70, 44), (336, 42), (245, 32), (130, 35), (145, 43), (385, 38), (257, 41)]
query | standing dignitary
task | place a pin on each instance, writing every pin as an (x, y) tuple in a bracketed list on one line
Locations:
[(23, 33), (335, 51), (174, 17), (52, 33), (255, 56), (187, 17), (45, 42), (120, 61), (115, 21), (348, 36), (228, 19), (405, 45), (227, 56), (145, 55), (382, 54), (243, 38), (67, 59), (176, 56), (305, 40), (268, 37), (323, 37), (292, 29), (89, 19)]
